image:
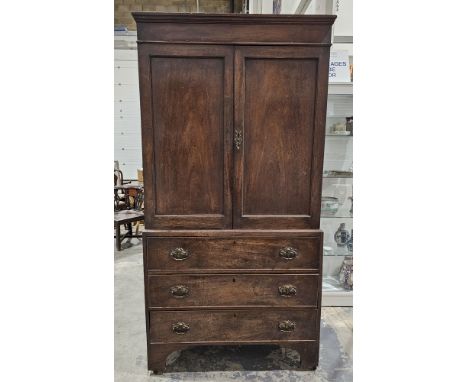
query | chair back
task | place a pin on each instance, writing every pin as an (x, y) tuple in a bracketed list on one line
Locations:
[(135, 198), (118, 177), (128, 198)]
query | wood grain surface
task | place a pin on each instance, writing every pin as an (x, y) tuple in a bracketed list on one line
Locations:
[(277, 169), (233, 111), (232, 325), (232, 290), (232, 254), (186, 104)]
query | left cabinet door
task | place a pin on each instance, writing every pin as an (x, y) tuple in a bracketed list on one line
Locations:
[(186, 96)]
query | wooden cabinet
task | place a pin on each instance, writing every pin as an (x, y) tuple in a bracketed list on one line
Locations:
[(233, 118)]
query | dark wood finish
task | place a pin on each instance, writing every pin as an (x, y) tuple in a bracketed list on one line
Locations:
[(236, 233), (127, 210), (128, 196), (125, 217), (308, 351), (278, 168), (232, 254), (186, 103), (233, 114), (232, 325), (234, 29), (235, 290)]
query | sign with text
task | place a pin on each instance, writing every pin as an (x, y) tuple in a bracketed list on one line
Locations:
[(338, 70)]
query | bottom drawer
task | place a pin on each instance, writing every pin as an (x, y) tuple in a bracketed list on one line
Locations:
[(233, 325)]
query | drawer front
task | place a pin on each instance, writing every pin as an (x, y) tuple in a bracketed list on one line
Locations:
[(233, 326), (187, 254), (233, 290)]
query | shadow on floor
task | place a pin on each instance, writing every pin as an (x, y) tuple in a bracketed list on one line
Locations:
[(217, 358)]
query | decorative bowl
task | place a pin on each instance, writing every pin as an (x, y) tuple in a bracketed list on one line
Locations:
[(330, 205)]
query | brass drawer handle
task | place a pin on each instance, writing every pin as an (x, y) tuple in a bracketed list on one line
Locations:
[(179, 291), (286, 326), (287, 290), (288, 253), (179, 254), (180, 328)]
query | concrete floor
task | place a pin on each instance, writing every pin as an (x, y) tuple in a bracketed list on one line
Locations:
[(256, 363)]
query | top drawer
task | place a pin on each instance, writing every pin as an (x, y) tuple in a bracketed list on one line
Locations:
[(190, 254)]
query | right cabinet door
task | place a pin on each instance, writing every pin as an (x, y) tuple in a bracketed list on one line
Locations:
[(280, 111)]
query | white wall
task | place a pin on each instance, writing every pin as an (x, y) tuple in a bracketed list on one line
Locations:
[(127, 129)]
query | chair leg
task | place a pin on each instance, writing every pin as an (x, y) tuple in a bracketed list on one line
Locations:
[(117, 238), (130, 231), (137, 228)]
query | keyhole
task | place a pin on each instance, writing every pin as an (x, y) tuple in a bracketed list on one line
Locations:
[(235, 315), (233, 280)]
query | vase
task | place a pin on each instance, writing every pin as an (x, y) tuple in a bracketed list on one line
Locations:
[(346, 273), (342, 235), (349, 244)]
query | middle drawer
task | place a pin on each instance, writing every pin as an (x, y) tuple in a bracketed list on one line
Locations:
[(210, 290)]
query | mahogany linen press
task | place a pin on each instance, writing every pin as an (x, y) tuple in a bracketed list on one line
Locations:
[(233, 110)]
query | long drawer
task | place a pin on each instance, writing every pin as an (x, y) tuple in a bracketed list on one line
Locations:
[(209, 290), (194, 254), (233, 325)]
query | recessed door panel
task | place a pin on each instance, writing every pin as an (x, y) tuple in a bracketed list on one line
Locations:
[(279, 119), (190, 129), (188, 145)]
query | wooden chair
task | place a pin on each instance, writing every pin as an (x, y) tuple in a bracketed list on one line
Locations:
[(132, 213), (120, 202)]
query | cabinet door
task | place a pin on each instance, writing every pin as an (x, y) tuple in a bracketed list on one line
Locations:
[(186, 103), (280, 110)]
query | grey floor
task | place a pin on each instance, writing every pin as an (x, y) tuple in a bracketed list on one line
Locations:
[(252, 363)]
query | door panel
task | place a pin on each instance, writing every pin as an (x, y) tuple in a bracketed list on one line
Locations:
[(188, 145), (279, 115), (190, 128)]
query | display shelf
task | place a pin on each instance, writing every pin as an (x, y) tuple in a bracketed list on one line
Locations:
[(340, 88), (337, 187), (330, 227), (333, 294), (339, 252)]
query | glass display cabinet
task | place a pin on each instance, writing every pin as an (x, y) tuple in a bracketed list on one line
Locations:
[(337, 197)]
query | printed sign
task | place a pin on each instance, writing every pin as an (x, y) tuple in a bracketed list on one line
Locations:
[(338, 70)]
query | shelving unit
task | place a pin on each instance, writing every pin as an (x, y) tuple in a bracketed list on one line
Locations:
[(342, 88), (338, 157), (334, 294)]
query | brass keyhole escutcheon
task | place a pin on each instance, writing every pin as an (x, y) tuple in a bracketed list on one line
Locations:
[(238, 139)]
